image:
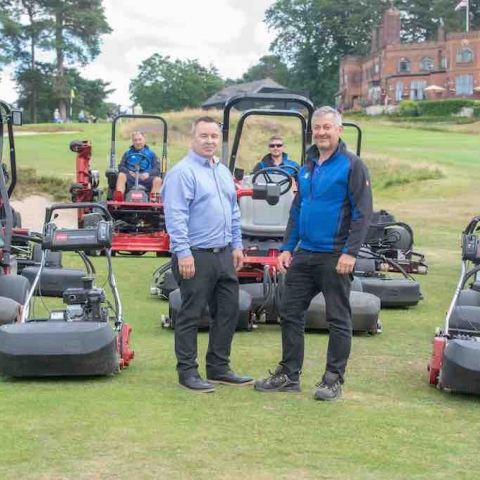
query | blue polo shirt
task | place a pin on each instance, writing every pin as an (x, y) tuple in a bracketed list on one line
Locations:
[(200, 205)]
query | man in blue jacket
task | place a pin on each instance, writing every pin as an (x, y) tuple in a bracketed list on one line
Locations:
[(276, 157), (139, 157), (203, 221), (329, 219)]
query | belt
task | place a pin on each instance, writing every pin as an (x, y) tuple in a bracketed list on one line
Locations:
[(211, 250)]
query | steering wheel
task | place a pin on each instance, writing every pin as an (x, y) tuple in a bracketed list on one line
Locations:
[(142, 164), (293, 169), (285, 184)]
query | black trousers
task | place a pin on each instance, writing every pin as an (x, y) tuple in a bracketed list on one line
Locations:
[(215, 284), (309, 274)]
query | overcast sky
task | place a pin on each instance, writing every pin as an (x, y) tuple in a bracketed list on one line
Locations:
[(229, 34)]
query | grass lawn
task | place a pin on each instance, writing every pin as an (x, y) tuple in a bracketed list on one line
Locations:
[(390, 425)]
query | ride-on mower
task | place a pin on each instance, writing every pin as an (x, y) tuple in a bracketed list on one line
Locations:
[(77, 340), (13, 288), (455, 361), (139, 222), (264, 224)]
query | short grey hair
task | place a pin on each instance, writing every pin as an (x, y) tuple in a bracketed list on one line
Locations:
[(324, 111)]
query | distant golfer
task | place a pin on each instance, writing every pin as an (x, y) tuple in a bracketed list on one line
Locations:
[(328, 223), (203, 221)]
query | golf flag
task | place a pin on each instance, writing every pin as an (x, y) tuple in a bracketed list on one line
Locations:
[(72, 94), (461, 4)]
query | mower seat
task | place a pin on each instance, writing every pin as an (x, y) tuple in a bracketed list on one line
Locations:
[(112, 175), (9, 310), (260, 219)]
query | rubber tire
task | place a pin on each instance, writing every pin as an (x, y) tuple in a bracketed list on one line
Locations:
[(14, 287), (17, 219)]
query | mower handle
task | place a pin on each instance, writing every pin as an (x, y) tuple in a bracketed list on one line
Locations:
[(76, 206)]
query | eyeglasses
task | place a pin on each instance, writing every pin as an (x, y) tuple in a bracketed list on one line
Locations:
[(276, 145)]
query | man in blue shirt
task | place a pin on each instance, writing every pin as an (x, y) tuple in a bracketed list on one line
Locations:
[(139, 157), (203, 221), (328, 223), (276, 157)]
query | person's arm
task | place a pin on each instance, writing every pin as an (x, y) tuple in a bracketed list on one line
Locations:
[(155, 171), (177, 192), (122, 166), (236, 225), (256, 168), (292, 234), (361, 204)]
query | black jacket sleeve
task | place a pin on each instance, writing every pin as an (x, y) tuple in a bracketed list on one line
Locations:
[(360, 195), (155, 171), (122, 166)]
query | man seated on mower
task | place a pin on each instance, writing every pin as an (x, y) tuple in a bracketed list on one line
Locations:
[(277, 157), (139, 160)]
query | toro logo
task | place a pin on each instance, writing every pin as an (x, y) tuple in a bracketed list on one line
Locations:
[(61, 237)]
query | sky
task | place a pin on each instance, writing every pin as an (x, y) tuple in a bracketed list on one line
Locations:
[(230, 34)]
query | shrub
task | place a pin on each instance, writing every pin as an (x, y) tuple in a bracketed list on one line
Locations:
[(444, 108), (408, 108)]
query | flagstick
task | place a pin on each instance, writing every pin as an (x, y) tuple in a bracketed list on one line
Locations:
[(468, 15)]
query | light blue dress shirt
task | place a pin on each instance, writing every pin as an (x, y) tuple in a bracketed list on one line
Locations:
[(200, 205)]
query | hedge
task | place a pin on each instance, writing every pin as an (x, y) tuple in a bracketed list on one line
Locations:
[(444, 108)]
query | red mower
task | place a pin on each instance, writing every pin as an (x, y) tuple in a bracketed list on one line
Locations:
[(455, 362), (139, 222), (13, 288)]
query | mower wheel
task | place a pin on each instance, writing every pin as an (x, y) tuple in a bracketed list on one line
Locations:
[(17, 219), (14, 287)]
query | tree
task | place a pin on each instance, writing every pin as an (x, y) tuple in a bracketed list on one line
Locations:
[(90, 95), (74, 32), (164, 84), (315, 34), (270, 66), (70, 28)]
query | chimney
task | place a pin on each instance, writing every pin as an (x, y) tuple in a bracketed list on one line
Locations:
[(441, 32), (392, 25)]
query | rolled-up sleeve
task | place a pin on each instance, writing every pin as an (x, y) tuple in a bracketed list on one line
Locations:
[(236, 225), (177, 193)]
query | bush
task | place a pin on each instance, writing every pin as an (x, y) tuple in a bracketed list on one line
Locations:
[(476, 110), (408, 108), (444, 108)]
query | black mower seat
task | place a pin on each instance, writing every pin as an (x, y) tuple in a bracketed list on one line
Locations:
[(9, 310)]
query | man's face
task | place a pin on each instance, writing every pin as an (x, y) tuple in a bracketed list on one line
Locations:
[(138, 141), (275, 148), (325, 134), (206, 139)]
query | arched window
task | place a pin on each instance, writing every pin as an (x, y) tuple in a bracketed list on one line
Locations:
[(465, 55), (426, 64), (404, 65)]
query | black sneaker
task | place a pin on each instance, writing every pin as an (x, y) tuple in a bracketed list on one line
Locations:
[(328, 390), (278, 381)]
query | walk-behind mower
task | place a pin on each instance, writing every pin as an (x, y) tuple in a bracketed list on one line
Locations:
[(264, 224), (139, 222), (13, 288), (77, 340), (455, 361)]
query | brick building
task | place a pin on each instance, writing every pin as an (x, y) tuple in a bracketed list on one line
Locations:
[(395, 71)]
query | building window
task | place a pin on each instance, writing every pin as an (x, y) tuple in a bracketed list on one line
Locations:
[(404, 65), (465, 55), (399, 91), (426, 64), (443, 63), (416, 89), (464, 85)]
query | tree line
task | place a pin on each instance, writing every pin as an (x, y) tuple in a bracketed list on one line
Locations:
[(312, 36)]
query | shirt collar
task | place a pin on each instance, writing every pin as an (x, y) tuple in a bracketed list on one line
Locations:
[(202, 160)]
